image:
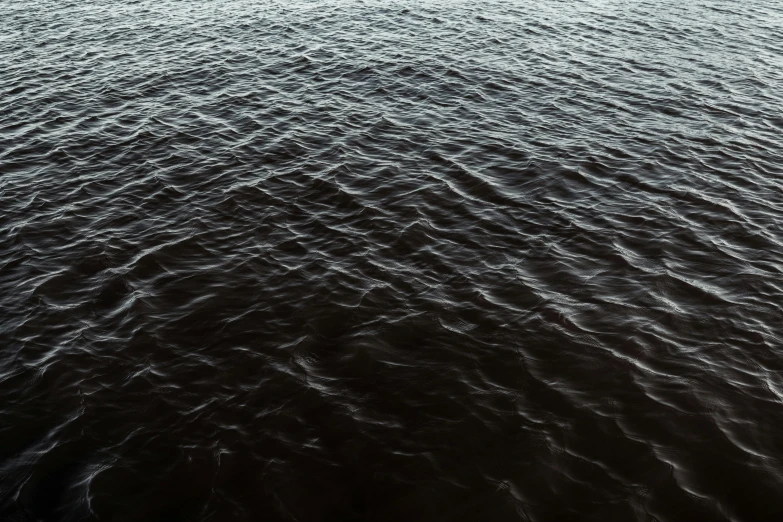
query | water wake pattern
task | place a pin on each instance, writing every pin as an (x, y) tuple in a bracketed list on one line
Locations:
[(368, 261)]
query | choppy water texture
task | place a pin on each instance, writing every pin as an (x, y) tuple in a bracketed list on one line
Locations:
[(383, 261)]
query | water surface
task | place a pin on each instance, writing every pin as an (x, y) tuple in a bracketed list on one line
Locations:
[(382, 261)]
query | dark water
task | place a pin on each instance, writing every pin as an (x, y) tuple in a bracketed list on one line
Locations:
[(383, 261)]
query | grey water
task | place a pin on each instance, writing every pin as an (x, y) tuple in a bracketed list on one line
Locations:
[(321, 261)]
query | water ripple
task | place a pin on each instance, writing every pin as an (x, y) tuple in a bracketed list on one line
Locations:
[(362, 260)]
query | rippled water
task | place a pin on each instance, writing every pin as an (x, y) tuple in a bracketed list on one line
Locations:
[(382, 261)]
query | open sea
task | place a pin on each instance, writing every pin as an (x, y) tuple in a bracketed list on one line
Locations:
[(383, 261)]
